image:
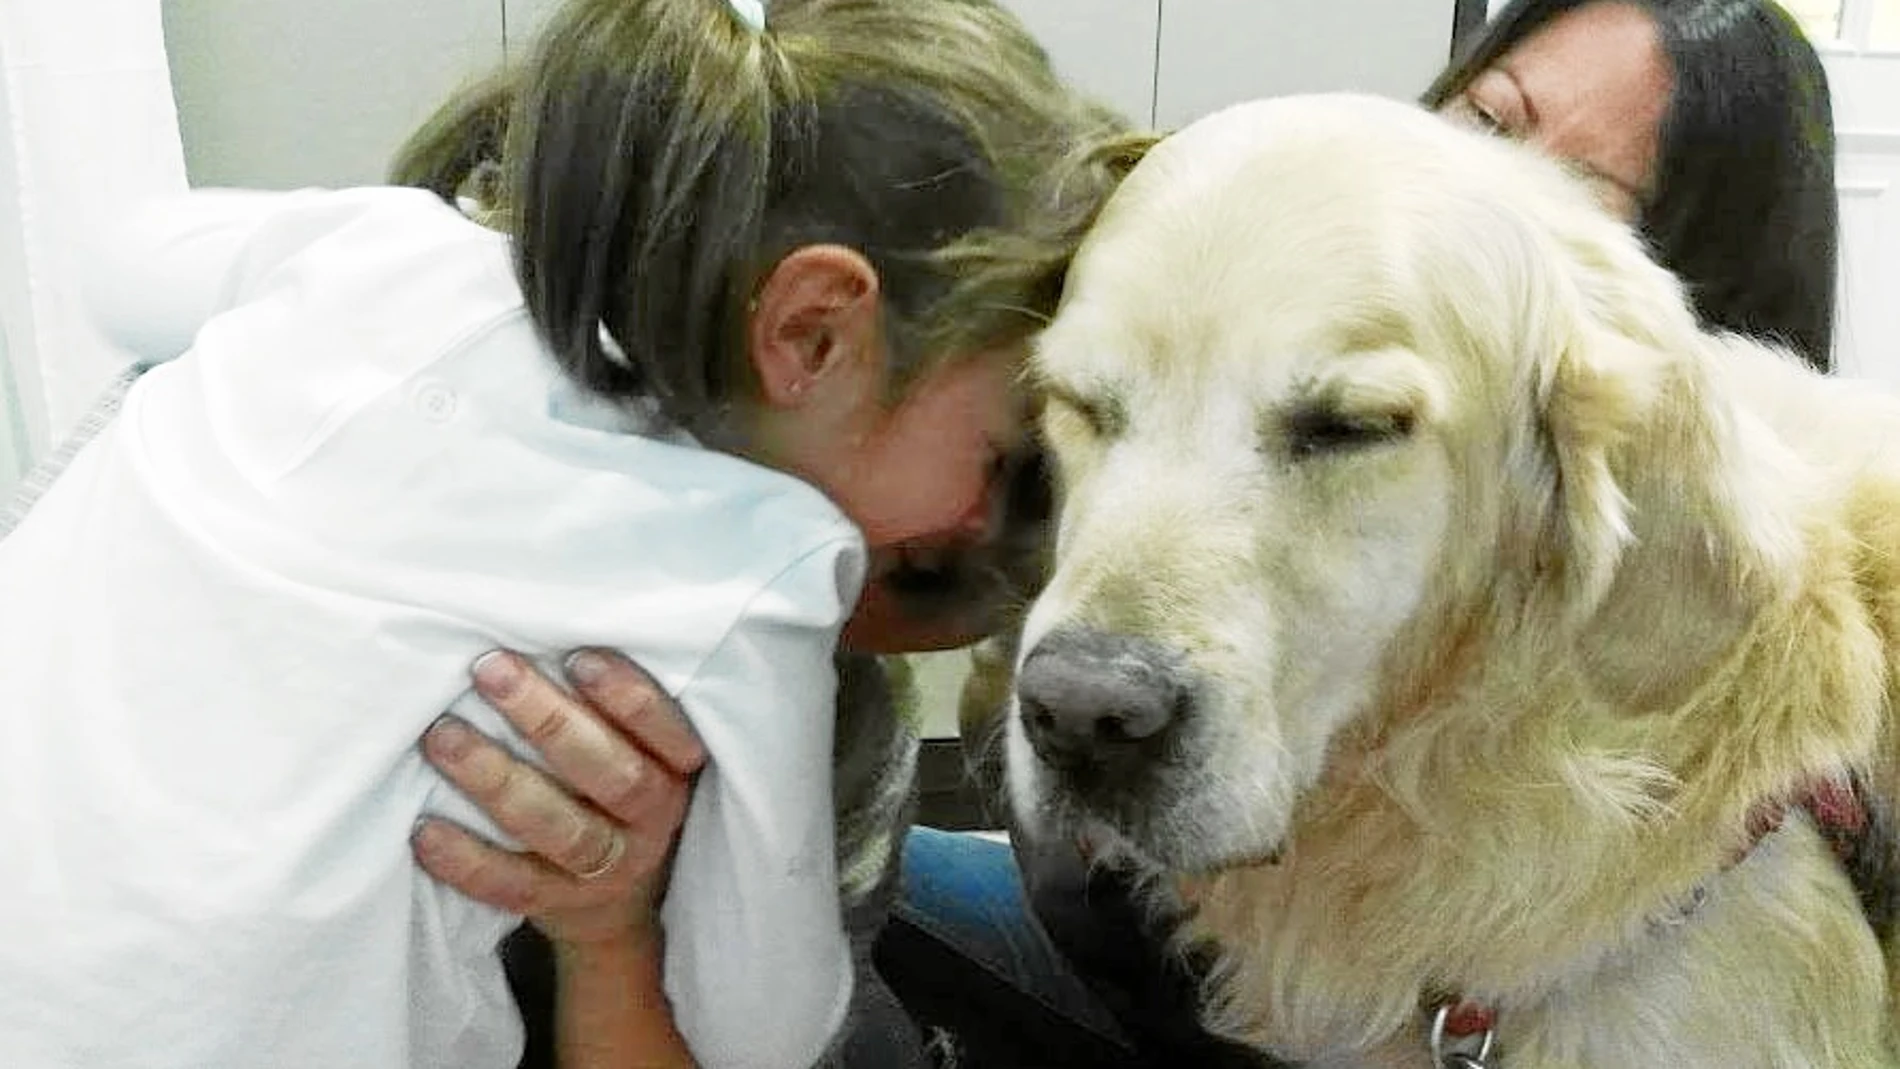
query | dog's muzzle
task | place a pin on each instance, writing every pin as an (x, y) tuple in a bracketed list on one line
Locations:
[(1101, 709)]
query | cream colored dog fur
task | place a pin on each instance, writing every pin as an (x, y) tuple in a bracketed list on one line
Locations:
[(1501, 596)]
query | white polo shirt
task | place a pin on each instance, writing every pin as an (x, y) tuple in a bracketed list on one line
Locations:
[(225, 628)]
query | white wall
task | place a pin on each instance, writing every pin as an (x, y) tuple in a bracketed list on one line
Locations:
[(1216, 52), (283, 93), (1107, 46), (1168, 62)]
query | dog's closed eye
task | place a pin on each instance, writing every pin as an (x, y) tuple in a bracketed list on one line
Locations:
[(1323, 430), (1101, 413)]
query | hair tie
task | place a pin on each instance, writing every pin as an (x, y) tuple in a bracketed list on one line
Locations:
[(750, 12)]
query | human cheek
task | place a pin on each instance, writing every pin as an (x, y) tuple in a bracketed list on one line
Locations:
[(972, 521), (946, 507), (951, 499)]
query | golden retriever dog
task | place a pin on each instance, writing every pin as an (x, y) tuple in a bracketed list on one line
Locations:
[(1482, 650)]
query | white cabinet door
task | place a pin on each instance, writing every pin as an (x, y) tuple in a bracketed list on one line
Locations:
[(1867, 332), (283, 93), (1863, 67), (1219, 52)]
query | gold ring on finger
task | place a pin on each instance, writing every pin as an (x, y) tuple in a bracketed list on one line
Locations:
[(616, 848)]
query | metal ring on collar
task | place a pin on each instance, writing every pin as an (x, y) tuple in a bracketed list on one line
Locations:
[(1454, 1059)]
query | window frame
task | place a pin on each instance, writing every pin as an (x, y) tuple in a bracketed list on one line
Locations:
[(1855, 37)]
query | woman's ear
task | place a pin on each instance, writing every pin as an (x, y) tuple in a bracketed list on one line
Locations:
[(814, 322)]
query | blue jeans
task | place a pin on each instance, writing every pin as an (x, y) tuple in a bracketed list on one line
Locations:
[(965, 954), (1049, 963)]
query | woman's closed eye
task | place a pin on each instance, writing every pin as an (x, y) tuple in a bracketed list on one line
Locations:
[(1495, 103), (1479, 116)]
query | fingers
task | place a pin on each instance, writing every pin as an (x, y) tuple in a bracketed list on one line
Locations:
[(617, 903), (516, 883), (622, 753), (530, 807), (626, 695), (598, 827)]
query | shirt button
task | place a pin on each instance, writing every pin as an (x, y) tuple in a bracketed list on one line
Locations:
[(434, 401)]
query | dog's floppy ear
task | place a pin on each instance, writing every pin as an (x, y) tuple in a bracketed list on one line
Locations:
[(1665, 538), (1658, 523), (1594, 397)]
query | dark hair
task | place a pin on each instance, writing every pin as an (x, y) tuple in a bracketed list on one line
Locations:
[(1744, 208), (660, 156)]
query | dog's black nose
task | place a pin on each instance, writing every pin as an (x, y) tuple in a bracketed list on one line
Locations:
[(1100, 701)]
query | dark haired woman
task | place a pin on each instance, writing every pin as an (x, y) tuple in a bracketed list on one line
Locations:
[(1706, 123)]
